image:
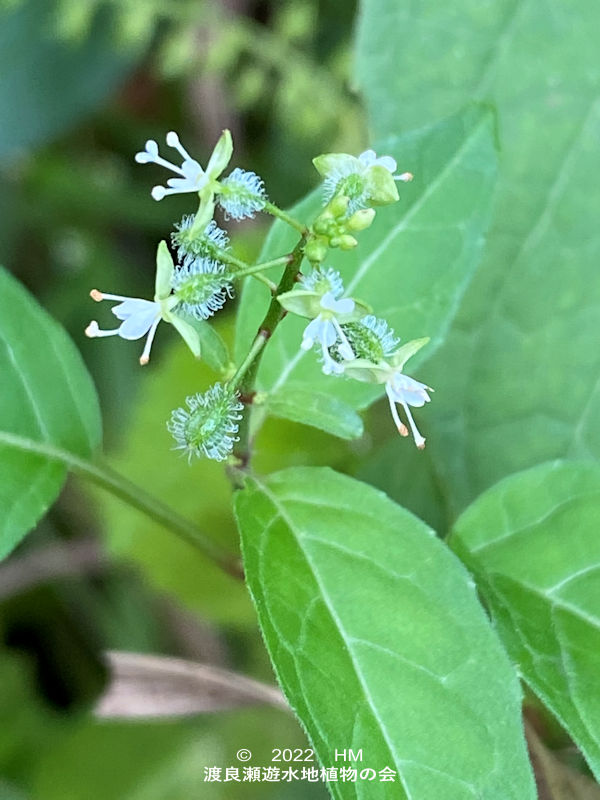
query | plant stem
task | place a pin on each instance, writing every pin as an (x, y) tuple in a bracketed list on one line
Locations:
[(126, 490), (244, 269), (271, 286), (251, 270), (257, 345), (245, 377), (272, 209)]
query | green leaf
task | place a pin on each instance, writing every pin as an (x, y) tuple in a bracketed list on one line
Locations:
[(319, 410), (187, 331), (532, 540), (518, 377), (47, 84), (47, 397), (213, 349), (378, 639), (412, 265)]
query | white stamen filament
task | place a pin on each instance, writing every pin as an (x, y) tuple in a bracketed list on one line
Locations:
[(329, 365), (96, 295), (94, 332), (158, 192), (145, 357), (344, 339), (402, 429), (173, 141), (405, 177), (164, 163), (419, 440)]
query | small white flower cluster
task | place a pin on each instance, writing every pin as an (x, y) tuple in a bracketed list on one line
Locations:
[(351, 342), (356, 344), (241, 194), (197, 287), (199, 284), (364, 179)]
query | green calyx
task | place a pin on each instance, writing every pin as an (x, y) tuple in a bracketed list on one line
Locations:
[(380, 186), (380, 371), (307, 304)]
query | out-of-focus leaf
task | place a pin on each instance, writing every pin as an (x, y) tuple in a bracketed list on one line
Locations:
[(46, 396), (555, 780), (533, 542), (379, 641), (154, 686), (518, 380), (317, 409), (412, 265), (47, 84), (27, 725), (114, 760)]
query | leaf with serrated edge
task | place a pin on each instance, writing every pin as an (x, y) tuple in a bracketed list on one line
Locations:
[(47, 396), (379, 641), (412, 265), (519, 375), (533, 542)]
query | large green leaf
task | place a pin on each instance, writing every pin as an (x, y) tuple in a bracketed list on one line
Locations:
[(379, 641), (47, 396), (519, 376), (412, 266), (47, 84), (533, 542)]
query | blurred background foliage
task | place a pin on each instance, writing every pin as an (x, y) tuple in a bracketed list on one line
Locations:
[(83, 83)]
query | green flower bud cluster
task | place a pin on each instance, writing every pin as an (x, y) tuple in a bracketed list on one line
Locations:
[(334, 227)]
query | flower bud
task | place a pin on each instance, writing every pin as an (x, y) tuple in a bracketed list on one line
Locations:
[(347, 242), (361, 220), (316, 249), (321, 225), (339, 205)]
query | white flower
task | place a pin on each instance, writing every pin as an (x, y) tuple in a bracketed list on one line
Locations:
[(139, 317), (367, 180), (369, 159), (191, 176), (325, 330), (323, 280), (400, 388)]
